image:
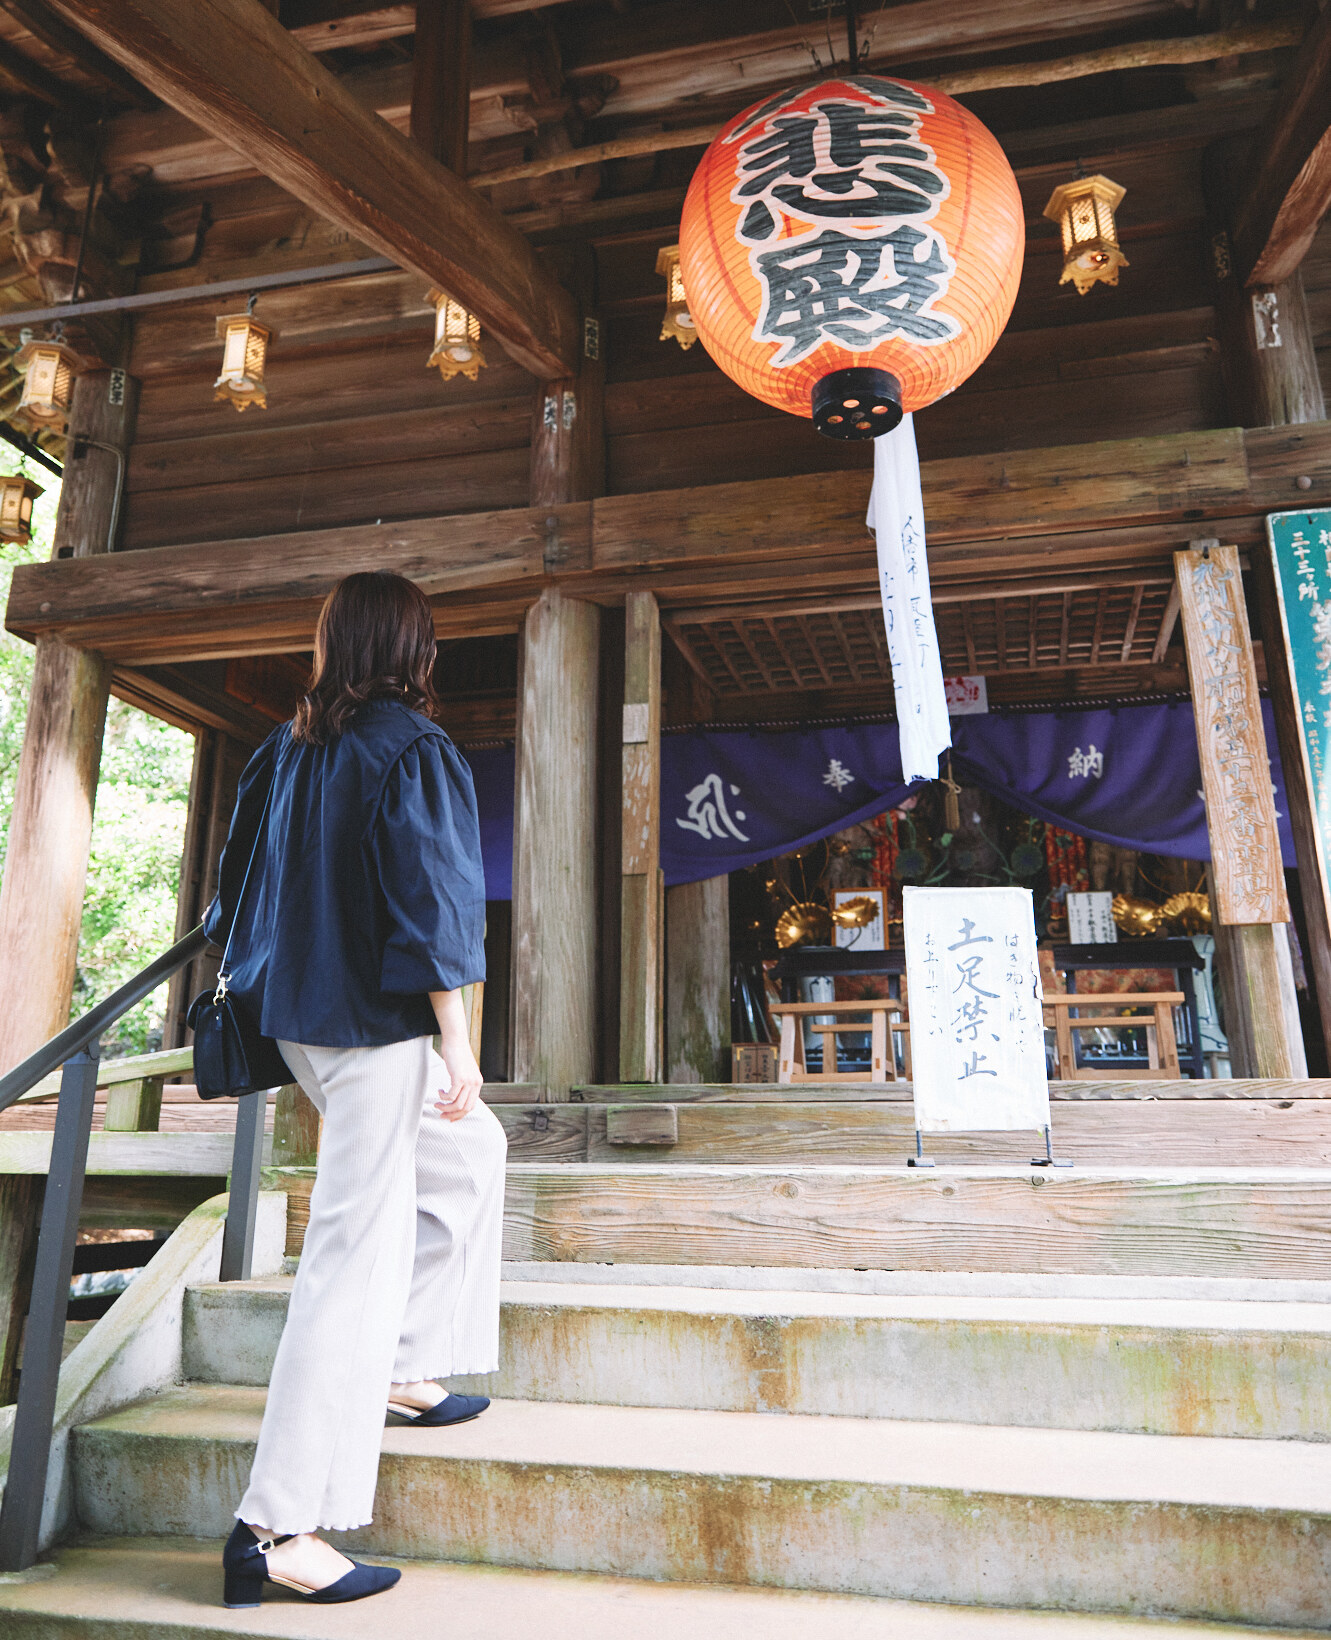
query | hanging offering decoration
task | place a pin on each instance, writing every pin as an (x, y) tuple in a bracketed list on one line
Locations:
[(851, 250)]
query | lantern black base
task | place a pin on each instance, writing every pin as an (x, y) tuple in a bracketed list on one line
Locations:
[(859, 403)]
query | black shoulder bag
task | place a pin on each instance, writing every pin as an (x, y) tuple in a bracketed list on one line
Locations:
[(231, 1056)]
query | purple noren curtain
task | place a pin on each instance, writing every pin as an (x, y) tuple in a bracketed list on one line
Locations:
[(733, 797)]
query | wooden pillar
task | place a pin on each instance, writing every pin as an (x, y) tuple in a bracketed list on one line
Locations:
[(20, 1214), (1246, 871), (553, 987), (46, 864), (134, 1107), (101, 430), (554, 846), (296, 1127), (1277, 372), (441, 81), (568, 431), (698, 981), (1271, 380), (640, 971), (50, 829), (219, 761)]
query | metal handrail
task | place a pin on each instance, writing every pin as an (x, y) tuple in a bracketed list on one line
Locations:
[(74, 1038), (77, 1049)]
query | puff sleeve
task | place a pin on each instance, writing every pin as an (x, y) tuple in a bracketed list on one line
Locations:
[(425, 847)]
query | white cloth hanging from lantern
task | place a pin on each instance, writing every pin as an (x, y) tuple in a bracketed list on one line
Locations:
[(896, 516)]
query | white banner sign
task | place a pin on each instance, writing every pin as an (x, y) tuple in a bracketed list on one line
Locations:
[(976, 1024), (896, 517), (1091, 919)]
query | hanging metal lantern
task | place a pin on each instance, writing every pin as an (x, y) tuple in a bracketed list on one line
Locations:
[(244, 354), (457, 339), (48, 385), (852, 250), (17, 494), (678, 322), (1084, 211)]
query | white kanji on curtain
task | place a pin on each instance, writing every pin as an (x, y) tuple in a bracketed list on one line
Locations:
[(896, 517)]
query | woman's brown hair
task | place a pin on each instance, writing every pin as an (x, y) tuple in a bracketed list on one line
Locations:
[(374, 641)]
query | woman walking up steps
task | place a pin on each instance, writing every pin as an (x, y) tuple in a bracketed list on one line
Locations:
[(362, 920)]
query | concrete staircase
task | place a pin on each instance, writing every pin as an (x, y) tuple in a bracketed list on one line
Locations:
[(843, 1464)]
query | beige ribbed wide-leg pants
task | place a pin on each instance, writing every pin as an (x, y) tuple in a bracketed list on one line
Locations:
[(398, 1277)]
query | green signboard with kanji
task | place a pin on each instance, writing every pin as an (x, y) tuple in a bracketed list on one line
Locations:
[(1300, 545)]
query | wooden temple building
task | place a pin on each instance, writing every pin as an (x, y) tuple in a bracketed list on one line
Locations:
[(622, 547)]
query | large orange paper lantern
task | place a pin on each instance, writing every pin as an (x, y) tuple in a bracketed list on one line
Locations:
[(851, 250)]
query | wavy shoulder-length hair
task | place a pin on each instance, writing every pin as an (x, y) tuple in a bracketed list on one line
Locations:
[(374, 641)]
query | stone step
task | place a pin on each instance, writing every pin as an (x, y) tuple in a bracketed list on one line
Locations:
[(1165, 1366), (1255, 1223), (1180, 1526), (169, 1589)]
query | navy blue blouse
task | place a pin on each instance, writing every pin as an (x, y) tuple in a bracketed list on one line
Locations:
[(367, 891)]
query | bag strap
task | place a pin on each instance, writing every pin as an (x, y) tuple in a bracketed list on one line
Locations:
[(223, 974)]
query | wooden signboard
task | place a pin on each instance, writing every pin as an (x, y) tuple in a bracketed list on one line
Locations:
[(1236, 771), (1301, 557)]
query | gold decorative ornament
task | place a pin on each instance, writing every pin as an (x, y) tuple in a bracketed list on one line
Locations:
[(678, 322), (1190, 912), (858, 913), (1084, 211), (1136, 916), (457, 339), (244, 354), (17, 494), (48, 385), (805, 920)]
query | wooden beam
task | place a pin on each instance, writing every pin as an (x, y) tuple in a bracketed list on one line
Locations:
[(39, 20), (1289, 186), (1092, 507), (441, 81), (1197, 48), (234, 70)]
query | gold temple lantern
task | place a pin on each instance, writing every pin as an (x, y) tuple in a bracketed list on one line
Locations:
[(244, 354), (48, 383), (457, 339), (678, 321), (17, 495), (1084, 211)]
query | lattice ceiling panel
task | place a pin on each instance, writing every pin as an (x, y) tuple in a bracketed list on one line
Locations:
[(751, 652)]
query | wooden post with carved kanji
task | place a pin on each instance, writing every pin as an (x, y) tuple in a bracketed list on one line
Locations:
[(1247, 875)]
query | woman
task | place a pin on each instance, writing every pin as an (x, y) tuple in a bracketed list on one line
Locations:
[(363, 918)]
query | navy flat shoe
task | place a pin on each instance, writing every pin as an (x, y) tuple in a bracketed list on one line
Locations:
[(245, 1570), (453, 1409)]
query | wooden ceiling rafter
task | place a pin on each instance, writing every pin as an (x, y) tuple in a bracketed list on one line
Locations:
[(1186, 49), (231, 67), (763, 654), (1289, 181)]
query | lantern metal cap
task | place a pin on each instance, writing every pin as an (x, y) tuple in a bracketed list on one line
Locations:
[(1100, 187), (858, 403)]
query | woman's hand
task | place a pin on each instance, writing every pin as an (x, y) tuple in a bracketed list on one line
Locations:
[(464, 1074)]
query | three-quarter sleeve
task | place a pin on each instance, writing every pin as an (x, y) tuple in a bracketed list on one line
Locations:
[(425, 846), (252, 794)]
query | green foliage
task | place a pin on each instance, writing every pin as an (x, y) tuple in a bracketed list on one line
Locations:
[(129, 909)]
